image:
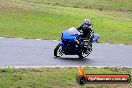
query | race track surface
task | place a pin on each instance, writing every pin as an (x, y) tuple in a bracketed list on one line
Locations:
[(31, 52)]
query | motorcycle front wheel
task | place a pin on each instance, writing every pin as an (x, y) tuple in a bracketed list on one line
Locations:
[(84, 54), (58, 51)]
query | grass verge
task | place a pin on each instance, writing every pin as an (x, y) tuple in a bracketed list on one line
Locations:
[(45, 19), (56, 77)]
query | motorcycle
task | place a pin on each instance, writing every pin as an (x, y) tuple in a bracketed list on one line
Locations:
[(70, 44)]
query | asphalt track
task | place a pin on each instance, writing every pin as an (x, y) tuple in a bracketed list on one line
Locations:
[(31, 52)]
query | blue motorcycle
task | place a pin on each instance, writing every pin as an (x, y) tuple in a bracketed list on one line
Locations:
[(72, 44)]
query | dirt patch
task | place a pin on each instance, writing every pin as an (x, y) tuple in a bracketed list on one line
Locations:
[(8, 7)]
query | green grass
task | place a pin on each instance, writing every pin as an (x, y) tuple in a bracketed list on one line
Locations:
[(119, 5), (47, 19), (54, 77)]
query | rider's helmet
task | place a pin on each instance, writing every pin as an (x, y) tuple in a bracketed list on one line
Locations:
[(86, 23)]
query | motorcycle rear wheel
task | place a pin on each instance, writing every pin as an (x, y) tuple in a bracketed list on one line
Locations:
[(58, 51)]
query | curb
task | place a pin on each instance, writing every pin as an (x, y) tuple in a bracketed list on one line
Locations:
[(58, 66), (51, 40)]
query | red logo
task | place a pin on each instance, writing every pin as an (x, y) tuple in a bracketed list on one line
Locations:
[(83, 78)]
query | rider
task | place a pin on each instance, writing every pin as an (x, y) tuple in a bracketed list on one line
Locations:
[(87, 29)]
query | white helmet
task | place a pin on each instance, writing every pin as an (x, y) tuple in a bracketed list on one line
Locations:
[(86, 23)]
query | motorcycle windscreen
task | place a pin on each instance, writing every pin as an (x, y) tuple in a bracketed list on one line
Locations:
[(96, 36), (67, 35), (71, 33)]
